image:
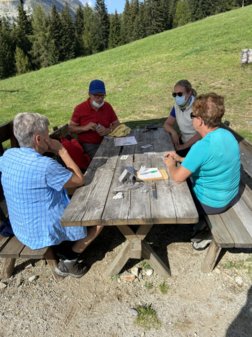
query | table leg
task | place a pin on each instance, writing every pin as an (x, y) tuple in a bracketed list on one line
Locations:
[(120, 260), (136, 248), (159, 266)]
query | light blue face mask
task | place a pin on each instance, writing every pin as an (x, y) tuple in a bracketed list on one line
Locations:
[(180, 100)]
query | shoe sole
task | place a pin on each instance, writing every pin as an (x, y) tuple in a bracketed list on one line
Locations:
[(61, 273)]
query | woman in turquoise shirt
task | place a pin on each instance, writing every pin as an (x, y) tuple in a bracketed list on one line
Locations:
[(213, 162)]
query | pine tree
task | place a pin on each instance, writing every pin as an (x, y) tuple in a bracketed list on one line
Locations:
[(115, 31), (182, 14), (23, 31), (79, 30), (56, 35), (201, 9), (126, 26), (42, 44), (22, 61), (139, 31), (101, 29), (89, 19), (68, 35), (7, 50), (165, 4), (154, 17)]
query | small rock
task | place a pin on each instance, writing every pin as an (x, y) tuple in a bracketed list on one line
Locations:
[(133, 312), (2, 285), (135, 271), (28, 266), (32, 278), (239, 281), (128, 277), (148, 272)]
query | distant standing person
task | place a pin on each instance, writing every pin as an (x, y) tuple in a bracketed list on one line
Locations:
[(94, 118), (184, 96)]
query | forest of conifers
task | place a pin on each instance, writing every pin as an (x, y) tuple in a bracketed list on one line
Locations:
[(44, 39)]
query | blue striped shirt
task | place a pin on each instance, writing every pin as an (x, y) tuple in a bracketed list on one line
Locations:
[(34, 191)]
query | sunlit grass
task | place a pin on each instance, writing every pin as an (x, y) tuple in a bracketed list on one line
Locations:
[(140, 76)]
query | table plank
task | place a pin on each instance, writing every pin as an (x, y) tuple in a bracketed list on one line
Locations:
[(94, 204)]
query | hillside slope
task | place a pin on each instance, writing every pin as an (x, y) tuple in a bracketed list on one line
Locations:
[(140, 76)]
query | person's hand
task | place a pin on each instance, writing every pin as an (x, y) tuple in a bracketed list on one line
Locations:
[(172, 155), (101, 130), (91, 126), (54, 146)]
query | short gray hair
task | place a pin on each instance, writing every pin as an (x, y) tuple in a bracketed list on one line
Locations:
[(26, 125)]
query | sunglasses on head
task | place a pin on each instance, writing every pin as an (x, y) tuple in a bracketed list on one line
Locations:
[(192, 115), (179, 94)]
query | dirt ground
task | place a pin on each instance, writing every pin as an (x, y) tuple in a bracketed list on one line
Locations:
[(218, 304)]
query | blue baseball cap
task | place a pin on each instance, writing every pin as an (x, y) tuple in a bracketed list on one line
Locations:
[(97, 87)]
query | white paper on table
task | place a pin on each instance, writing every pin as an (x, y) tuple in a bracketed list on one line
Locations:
[(122, 141), (149, 173)]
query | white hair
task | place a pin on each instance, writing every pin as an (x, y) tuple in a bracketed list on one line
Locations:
[(26, 125)]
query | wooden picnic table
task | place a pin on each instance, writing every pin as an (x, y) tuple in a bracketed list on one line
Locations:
[(93, 204)]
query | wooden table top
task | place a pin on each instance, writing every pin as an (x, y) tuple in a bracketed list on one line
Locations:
[(93, 204)]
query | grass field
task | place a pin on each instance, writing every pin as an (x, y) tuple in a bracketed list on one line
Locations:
[(140, 76)]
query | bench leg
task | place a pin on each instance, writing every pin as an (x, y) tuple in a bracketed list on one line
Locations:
[(211, 257), (8, 267), (51, 259)]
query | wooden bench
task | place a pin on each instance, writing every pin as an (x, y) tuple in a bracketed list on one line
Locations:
[(10, 247), (233, 228)]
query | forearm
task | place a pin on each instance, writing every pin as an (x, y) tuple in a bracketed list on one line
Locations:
[(78, 178), (191, 141), (177, 173), (169, 128), (77, 128)]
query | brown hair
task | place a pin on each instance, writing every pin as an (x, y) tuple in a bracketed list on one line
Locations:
[(187, 85), (210, 107)]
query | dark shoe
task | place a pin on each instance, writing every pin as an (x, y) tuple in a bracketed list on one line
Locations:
[(70, 268)]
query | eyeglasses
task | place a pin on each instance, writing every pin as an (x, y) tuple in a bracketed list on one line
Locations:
[(192, 115), (179, 94)]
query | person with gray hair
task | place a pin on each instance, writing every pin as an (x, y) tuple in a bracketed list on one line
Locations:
[(184, 95), (34, 188)]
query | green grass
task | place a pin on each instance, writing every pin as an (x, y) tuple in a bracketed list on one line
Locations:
[(245, 265), (164, 288), (140, 76), (147, 317)]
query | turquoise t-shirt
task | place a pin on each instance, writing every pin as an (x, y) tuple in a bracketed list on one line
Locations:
[(215, 165)]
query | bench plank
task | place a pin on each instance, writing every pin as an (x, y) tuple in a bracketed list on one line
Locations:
[(245, 214), (12, 249), (236, 228), (33, 253), (3, 241), (219, 231)]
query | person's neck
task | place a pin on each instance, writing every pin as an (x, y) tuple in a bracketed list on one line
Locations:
[(207, 130)]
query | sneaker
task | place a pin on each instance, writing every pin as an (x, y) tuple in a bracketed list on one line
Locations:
[(201, 245), (70, 268)]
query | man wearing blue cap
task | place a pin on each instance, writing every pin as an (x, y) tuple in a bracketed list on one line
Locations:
[(94, 118)]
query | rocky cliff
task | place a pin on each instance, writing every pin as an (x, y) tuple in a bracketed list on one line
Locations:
[(9, 8)]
